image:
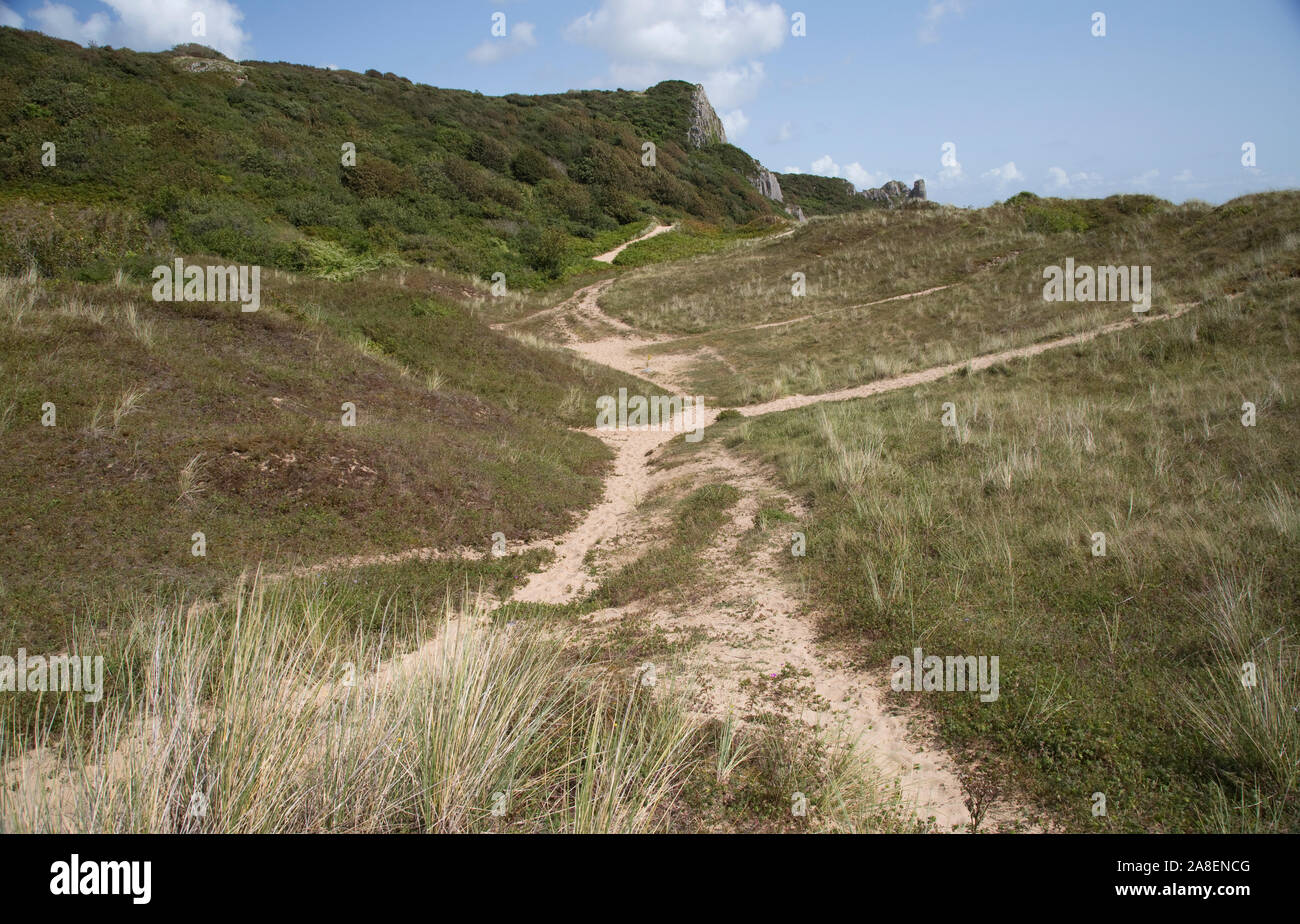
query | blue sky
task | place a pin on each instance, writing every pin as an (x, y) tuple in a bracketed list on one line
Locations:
[(1026, 94)]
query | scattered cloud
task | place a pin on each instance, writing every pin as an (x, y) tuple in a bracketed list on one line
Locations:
[(855, 173), (9, 18), (715, 42), (730, 86), (826, 166), (862, 178), (1007, 173), (792, 170), (783, 134), (935, 13), (1145, 179), (734, 123), (1184, 177), (518, 39), (148, 25), (1060, 178)]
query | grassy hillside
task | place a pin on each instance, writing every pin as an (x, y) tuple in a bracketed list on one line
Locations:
[(185, 150), (822, 195), (848, 331), (175, 418), (1121, 673)]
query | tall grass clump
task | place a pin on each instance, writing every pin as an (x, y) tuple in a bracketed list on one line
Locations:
[(1247, 704), (274, 712)]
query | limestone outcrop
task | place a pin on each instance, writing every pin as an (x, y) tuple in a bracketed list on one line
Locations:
[(706, 127), (895, 193), (767, 183)]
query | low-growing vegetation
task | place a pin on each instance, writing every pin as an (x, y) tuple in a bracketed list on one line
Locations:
[(1121, 673)]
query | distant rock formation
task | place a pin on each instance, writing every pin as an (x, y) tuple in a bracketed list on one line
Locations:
[(767, 183), (194, 65), (893, 193), (796, 213), (706, 127)]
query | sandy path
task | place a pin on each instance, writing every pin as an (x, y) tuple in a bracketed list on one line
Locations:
[(754, 627), (790, 402), (567, 577), (757, 627), (609, 256)]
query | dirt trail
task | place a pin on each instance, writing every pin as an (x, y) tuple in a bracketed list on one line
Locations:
[(630, 482), (608, 257), (756, 634), (756, 625), (934, 373)]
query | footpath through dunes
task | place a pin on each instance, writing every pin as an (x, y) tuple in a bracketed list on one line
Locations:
[(757, 626), (610, 255), (975, 364)]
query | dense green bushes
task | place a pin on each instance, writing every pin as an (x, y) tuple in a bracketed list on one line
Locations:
[(246, 162)]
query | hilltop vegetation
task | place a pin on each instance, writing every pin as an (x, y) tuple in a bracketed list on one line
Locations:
[(855, 323), (823, 195), (186, 151)]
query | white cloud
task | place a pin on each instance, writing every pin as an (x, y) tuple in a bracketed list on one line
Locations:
[(9, 18), (731, 86), (1184, 177), (863, 178), (1059, 178), (714, 42), (935, 14), (1145, 179), (148, 25), (825, 166), (709, 34), (784, 133), (1004, 174), (734, 123), (792, 170), (518, 38), (855, 173)]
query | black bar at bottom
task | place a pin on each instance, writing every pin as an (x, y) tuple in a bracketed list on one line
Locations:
[(336, 874)]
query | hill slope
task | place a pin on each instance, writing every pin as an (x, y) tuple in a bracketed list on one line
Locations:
[(186, 149)]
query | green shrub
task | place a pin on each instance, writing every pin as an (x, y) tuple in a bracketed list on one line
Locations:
[(531, 166), (374, 176), (490, 153)]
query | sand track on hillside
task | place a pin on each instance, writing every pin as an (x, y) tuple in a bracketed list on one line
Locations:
[(759, 624)]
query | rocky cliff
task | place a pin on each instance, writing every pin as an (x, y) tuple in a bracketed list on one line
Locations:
[(706, 127), (894, 193), (767, 183)]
